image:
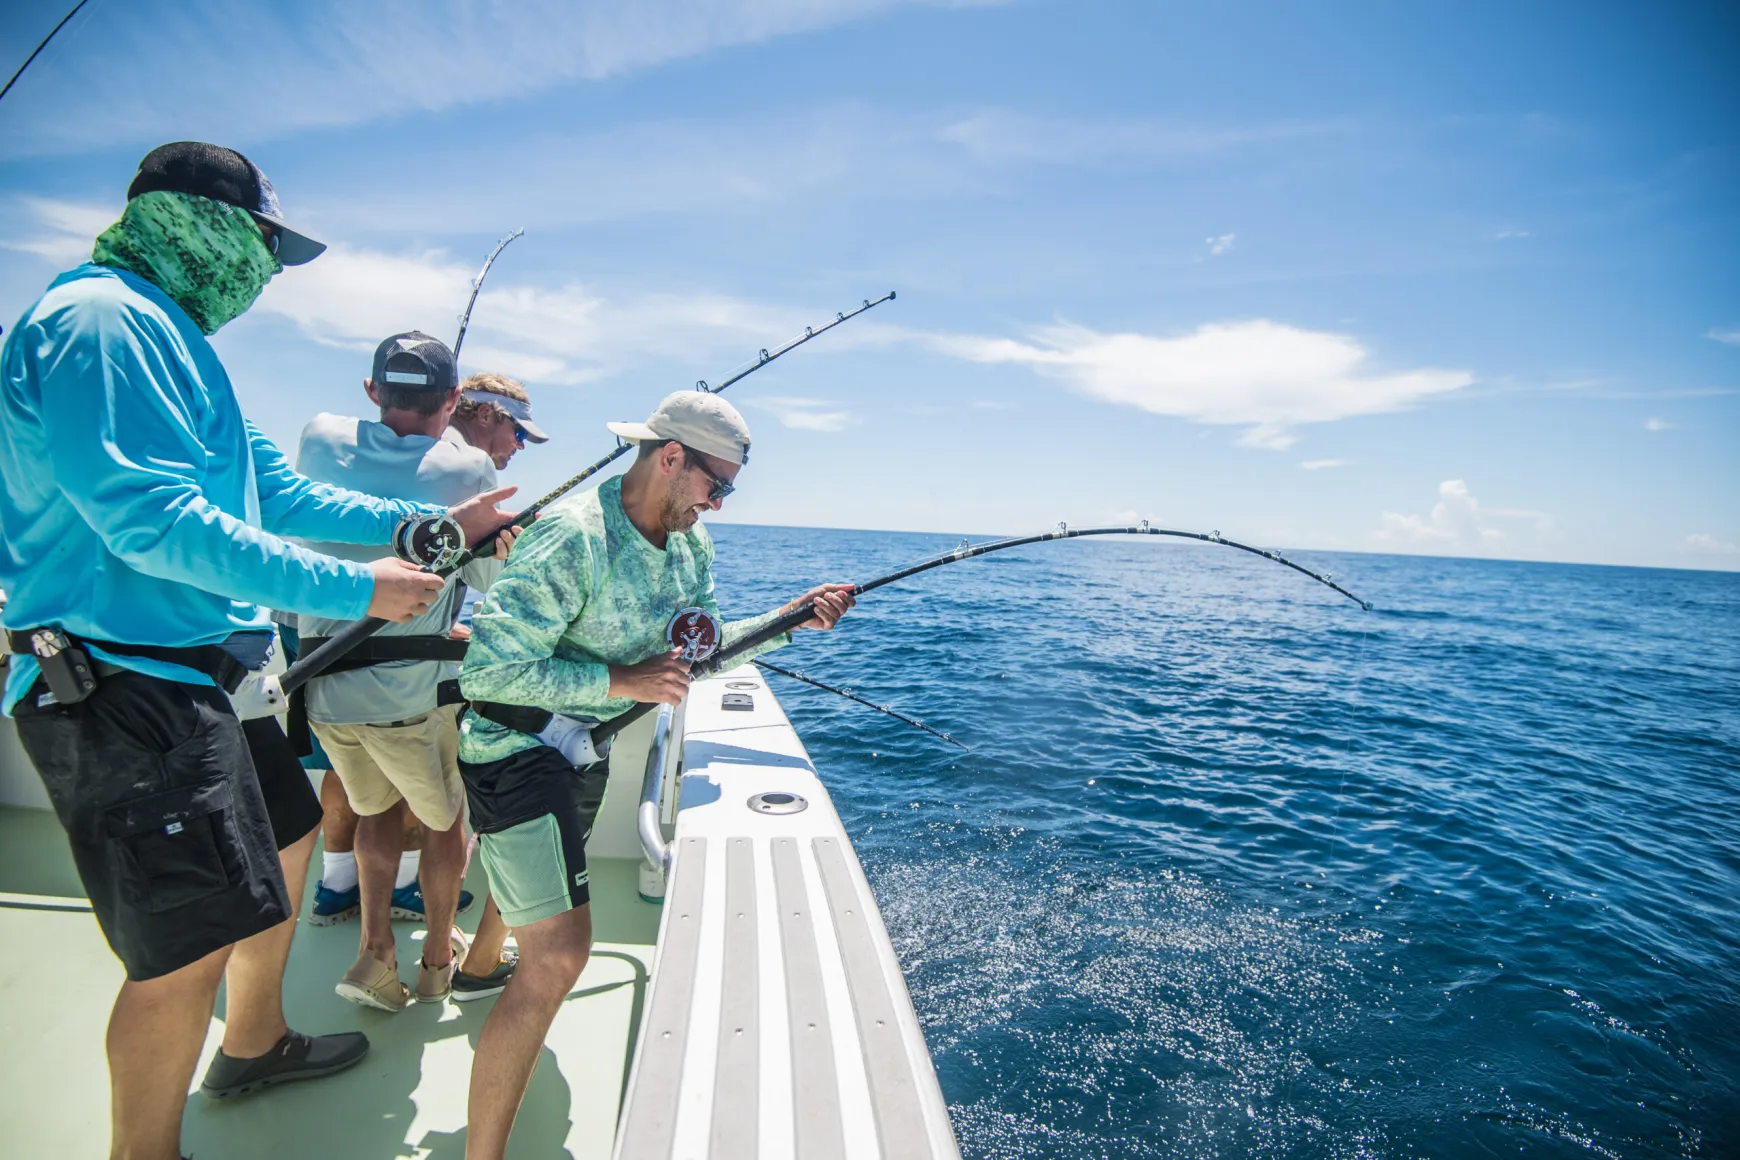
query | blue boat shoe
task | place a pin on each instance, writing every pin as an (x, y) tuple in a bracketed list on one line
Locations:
[(334, 906), (408, 902)]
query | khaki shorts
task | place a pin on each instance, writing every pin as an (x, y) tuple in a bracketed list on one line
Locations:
[(416, 760)]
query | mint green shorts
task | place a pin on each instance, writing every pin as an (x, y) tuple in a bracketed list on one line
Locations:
[(537, 869)]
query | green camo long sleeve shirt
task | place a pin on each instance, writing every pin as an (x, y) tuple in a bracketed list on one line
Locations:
[(581, 590)]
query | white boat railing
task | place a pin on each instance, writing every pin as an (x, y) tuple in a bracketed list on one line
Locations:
[(652, 838)]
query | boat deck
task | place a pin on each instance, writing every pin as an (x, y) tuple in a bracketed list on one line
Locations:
[(406, 1099), (770, 1023)]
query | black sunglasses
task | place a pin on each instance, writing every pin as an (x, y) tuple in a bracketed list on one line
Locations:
[(721, 489)]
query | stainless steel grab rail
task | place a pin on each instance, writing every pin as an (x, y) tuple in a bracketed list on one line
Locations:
[(652, 838)]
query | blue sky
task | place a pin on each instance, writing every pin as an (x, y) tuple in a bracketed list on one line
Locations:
[(1444, 278)]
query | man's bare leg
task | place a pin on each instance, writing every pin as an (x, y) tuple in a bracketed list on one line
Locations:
[(339, 822), (254, 1000), (442, 869), (486, 944), (552, 954), (156, 1031), (378, 838)]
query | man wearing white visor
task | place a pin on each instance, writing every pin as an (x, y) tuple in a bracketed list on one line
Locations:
[(495, 416), (578, 628)]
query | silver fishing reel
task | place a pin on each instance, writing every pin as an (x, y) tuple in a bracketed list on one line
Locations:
[(435, 541)]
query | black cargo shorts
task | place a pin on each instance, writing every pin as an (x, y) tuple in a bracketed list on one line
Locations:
[(156, 788)]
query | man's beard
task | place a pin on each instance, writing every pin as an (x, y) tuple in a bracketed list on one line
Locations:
[(677, 516)]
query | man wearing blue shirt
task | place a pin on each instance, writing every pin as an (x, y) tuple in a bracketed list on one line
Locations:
[(141, 538)]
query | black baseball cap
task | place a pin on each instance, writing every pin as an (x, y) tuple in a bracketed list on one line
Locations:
[(415, 359), (222, 175)]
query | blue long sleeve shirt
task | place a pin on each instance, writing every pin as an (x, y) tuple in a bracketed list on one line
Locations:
[(137, 505)]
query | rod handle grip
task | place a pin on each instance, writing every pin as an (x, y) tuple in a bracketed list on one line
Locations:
[(335, 647)]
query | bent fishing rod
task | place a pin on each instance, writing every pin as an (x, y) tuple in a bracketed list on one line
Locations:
[(443, 555), (724, 658), (476, 285)]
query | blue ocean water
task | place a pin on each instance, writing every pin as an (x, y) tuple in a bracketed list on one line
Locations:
[(1234, 868)]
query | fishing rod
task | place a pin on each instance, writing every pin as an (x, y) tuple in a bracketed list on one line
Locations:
[(44, 44), (851, 696), (762, 359), (454, 556), (726, 657), (476, 285)]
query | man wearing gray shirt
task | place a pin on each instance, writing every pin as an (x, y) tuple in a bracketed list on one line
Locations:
[(392, 743)]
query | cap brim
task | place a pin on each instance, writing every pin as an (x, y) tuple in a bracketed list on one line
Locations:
[(294, 249), (633, 432), (534, 433)]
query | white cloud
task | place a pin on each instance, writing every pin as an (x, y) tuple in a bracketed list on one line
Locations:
[(567, 334), (353, 297), (803, 414), (1729, 334), (67, 229), (1656, 425), (1322, 464), (1503, 235), (1265, 376), (1457, 523), (1220, 244), (1705, 542), (331, 62)]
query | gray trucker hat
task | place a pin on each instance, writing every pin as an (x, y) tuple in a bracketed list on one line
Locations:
[(695, 419), (415, 359)]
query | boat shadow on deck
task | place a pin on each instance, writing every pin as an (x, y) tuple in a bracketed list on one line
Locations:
[(406, 1099)]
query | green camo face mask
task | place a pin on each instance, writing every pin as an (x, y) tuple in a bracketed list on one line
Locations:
[(206, 255)]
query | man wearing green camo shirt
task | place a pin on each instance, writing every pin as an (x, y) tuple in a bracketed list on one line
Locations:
[(576, 625)]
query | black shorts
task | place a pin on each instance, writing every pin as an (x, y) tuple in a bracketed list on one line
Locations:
[(169, 830), (533, 813), (291, 803)]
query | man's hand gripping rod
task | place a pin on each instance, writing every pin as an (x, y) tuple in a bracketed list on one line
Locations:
[(351, 635)]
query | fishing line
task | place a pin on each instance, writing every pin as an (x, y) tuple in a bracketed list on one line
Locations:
[(725, 657), (347, 638), (851, 696)]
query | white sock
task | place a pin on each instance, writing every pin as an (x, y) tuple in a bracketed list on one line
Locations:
[(407, 868), (338, 871)]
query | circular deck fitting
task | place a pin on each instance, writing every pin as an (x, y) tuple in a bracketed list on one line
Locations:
[(743, 684), (779, 803)]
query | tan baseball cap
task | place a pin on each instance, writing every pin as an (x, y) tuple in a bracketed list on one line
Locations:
[(695, 419)]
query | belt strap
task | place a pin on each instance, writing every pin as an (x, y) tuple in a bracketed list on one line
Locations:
[(380, 650), (302, 735), (209, 659), (523, 718)]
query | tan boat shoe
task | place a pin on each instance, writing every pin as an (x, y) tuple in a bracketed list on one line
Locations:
[(436, 983), (372, 983)]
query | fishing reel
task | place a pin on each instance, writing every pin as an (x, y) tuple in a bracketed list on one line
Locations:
[(435, 541), (696, 632)]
